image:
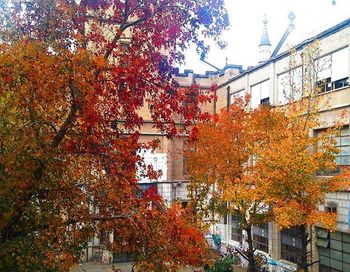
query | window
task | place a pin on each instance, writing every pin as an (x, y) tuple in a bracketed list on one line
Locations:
[(236, 232), (225, 218), (343, 144), (289, 86), (158, 161), (333, 71), (260, 237), (291, 246), (342, 158), (334, 250), (260, 94), (330, 207), (104, 238), (234, 95), (184, 166)]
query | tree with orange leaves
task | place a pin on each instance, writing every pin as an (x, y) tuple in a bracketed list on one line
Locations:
[(286, 165), (258, 164), (219, 171), (73, 78)]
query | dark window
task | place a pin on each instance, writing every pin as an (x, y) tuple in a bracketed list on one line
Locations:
[(340, 83), (236, 232), (327, 84), (265, 101), (291, 246), (261, 243), (104, 238), (330, 209), (291, 253), (324, 85), (260, 237), (334, 250)]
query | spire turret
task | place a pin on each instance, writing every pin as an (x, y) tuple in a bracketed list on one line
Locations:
[(265, 35), (265, 45)]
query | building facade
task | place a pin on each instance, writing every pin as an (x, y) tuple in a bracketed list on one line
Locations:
[(266, 83)]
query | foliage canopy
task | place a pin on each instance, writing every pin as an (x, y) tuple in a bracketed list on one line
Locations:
[(73, 78)]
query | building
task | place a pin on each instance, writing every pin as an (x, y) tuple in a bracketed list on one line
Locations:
[(168, 157), (265, 83)]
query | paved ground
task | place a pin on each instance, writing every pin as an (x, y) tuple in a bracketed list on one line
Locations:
[(124, 267), (98, 267)]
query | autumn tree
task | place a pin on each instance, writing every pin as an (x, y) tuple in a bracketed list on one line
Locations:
[(221, 175), (257, 163), (73, 77), (286, 166), (297, 156)]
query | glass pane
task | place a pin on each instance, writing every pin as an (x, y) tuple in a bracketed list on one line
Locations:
[(323, 66), (255, 93), (283, 88), (340, 67), (296, 87), (337, 160), (239, 94), (344, 131), (345, 140), (265, 89), (344, 160), (344, 150), (337, 140)]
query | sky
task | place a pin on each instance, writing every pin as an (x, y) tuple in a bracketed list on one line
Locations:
[(246, 17)]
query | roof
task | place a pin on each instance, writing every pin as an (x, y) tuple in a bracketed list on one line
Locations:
[(265, 38), (344, 24)]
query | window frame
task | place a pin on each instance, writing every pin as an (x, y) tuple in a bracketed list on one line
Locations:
[(291, 252), (232, 95), (262, 99), (261, 242), (290, 77), (236, 231), (329, 83), (341, 155)]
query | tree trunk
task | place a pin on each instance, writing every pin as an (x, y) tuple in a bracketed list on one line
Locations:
[(304, 241), (250, 253)]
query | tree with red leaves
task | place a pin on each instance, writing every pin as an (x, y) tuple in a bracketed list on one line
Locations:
[(73, 78)]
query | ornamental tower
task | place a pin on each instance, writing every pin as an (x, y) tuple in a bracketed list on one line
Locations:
[(265, 45)]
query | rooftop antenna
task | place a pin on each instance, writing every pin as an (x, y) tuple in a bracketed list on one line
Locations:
[(290, 28)]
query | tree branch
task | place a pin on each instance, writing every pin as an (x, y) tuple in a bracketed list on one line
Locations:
[(69, 120), (37, 228), (314, 262)]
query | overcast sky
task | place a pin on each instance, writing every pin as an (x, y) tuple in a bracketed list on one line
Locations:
[(246, 16)]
